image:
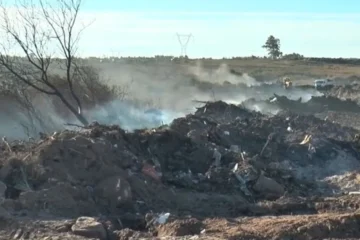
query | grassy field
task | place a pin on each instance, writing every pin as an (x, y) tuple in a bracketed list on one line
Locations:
[(265, 68), (261, 69)]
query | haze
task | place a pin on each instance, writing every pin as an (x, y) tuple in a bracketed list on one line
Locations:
[(138, 28)]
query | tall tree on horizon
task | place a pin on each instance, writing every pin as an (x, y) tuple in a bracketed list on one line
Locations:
[(272, 45)]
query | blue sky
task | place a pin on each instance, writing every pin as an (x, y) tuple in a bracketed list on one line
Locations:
[(317, 6), (324, 28)]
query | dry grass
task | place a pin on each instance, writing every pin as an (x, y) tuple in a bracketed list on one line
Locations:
[(265, 68), (261, 69)]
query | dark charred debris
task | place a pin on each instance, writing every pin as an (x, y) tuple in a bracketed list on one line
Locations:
[(223, 160), (314, 105)]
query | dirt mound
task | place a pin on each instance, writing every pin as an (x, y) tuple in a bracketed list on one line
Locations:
[(222, 161), (351, 91)]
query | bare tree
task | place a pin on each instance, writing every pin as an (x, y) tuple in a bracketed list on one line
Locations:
[(41, 30)]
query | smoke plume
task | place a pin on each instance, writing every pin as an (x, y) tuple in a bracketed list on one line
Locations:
[(156, 93)]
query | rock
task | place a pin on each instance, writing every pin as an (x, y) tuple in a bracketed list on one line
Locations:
[(114, 189), (89, 227), (268, 186)]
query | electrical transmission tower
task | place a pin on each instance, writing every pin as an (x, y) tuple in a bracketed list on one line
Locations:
[(184, 41)]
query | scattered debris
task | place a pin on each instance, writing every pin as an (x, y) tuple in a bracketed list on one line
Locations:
[(222, 161), (90, 228), (163, 218)]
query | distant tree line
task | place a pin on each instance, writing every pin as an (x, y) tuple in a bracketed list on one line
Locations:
[(272, 46)]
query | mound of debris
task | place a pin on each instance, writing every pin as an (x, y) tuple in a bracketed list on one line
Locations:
[(312, 106), (221, 161), (350, 91)]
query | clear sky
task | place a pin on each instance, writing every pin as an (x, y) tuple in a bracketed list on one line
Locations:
[(323, 28)]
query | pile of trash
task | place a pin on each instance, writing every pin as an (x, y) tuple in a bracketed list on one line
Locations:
[(314, 105), (219, 161), (350, 91)]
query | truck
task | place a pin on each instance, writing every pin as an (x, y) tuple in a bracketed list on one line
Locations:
[(323, 83)]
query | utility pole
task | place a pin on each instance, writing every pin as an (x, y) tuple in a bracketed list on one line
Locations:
[(184, 41)]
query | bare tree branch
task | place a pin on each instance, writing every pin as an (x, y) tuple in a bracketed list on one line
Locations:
[(38, 28)]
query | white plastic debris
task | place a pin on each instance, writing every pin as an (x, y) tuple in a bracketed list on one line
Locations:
[(289, 129), (194, 237), (226, 132), (273, 100), (163, 218), (235, 167), (354, 193)]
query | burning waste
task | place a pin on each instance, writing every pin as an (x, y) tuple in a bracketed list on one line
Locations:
[(163, 181), (131, 117)]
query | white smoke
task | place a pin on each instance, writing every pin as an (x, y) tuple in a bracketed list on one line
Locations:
[(221, 75), (129, 117), (168, 90)]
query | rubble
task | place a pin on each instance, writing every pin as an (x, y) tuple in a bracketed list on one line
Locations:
[(316, 104), (265, 185), (221, 161), (90, 228)]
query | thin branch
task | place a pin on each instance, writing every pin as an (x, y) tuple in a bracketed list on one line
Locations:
[(33, 39)]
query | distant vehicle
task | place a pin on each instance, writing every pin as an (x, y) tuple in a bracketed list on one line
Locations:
[(323, 83)]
